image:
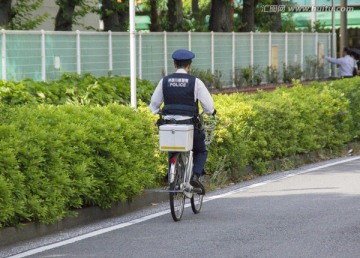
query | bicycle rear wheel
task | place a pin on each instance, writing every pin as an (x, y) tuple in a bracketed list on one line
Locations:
[(177, 199), (196, 202)]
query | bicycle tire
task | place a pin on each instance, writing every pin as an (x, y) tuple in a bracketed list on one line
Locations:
[(177, 198), (196, 202)]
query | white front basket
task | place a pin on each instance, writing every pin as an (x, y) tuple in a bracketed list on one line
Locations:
[(176, 137)]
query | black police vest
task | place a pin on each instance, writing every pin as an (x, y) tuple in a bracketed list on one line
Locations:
[(178, 91)]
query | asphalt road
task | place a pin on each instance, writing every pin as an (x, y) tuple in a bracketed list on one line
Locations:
[(313, 211)]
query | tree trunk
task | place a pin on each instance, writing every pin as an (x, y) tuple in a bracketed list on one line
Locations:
[(248, 16), (154, 17), (276, 23), (64, 17), (195, 8), (175, 15), (221, 18), (5, 12), (110, 16), (123, 15)]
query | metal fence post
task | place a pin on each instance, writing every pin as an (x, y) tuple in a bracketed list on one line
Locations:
[(269, 50), (286, 49), (140, 55), (251, 48), (189, 39), (302, 52), (329, 53), (78, 52), (3, 55), (316, 43), (212, 53), (316, 53), (110, 51), (233, 59), (43, 56)]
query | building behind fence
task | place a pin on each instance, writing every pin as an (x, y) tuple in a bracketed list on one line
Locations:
[(46, 55)]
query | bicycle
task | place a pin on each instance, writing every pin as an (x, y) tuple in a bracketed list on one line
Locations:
[(181, 163)]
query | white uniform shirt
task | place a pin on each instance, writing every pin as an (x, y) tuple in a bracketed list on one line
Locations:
[(346, 64), (201, 93)]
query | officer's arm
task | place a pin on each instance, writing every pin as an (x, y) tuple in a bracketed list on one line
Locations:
[(157, 99), (204, 96), (332, 60)]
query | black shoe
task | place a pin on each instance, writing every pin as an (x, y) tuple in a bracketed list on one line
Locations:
[(195, 182)]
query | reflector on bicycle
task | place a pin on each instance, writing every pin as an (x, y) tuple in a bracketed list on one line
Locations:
[(176, 137)]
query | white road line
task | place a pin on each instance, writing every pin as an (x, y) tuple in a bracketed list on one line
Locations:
[(158, 214)]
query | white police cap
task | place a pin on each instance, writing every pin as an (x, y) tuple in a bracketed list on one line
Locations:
[(183, 54)]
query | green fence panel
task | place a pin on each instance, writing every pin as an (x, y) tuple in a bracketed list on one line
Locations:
[(23, 56), (41, 55), (201, 46), (61, 55), (153, 65)]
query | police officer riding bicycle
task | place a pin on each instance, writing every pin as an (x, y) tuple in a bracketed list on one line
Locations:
[(181, 92)]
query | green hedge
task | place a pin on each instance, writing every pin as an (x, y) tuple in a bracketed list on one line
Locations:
[(73, 88), (57, 158), (350, 89), (256, 129)]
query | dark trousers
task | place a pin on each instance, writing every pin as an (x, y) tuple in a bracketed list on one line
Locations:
[(199, 152)]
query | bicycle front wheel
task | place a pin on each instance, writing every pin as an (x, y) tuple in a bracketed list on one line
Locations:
[(177, 199)]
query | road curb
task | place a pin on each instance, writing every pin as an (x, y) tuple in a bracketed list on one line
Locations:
[(12, 235)]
